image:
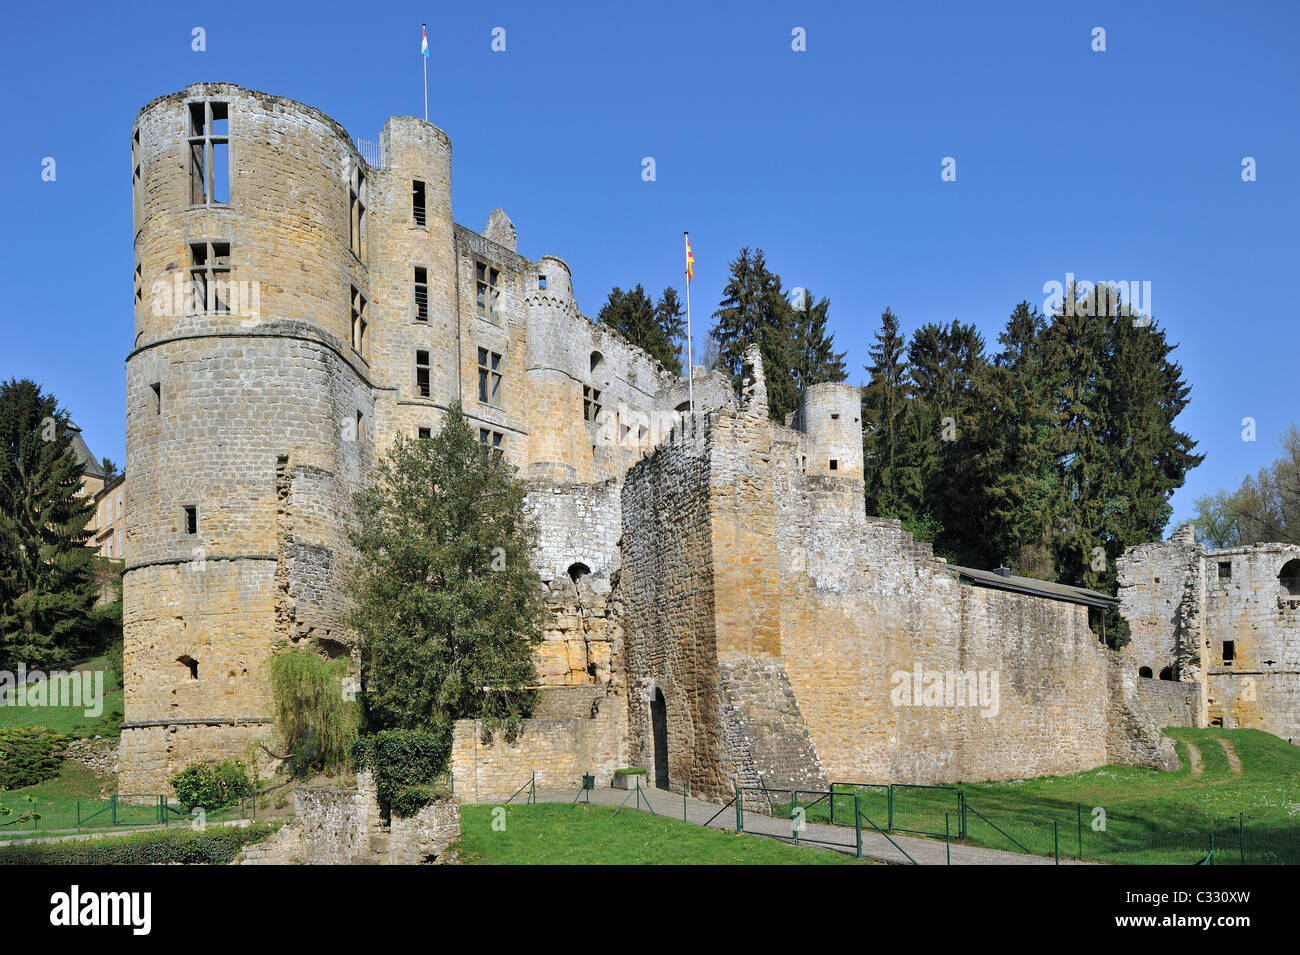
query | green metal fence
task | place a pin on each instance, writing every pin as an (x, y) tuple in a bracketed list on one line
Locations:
[(120, 810)]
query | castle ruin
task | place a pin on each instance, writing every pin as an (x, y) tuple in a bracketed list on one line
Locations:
[(722, 608)]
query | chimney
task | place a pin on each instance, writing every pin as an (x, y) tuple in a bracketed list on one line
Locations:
[(1003, 571)]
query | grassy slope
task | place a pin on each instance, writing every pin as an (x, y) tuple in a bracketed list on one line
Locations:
[(72, 720), (552, 834), (1150, 816)]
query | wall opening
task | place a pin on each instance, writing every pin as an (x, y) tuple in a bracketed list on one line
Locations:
[(1289, 578), (1144, 672), (1225, 570), (1167, 673), (1229, 652), (191, 666), (577, 570), (659, 729), (191, 519)]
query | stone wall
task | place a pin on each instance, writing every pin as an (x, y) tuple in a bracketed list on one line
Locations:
[(1170, 703), (335, 826), (557, 752), (1222, 620)]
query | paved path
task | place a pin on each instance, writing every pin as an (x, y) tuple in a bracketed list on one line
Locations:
[(874, 845)]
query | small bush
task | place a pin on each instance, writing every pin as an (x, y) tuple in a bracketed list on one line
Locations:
[(631, 771), (214, 846), (402, 758), (411, 799), (212, 787), (29, 756)]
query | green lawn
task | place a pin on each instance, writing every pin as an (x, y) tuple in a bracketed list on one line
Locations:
[(69, 719), (553, 834), (1149, 816)]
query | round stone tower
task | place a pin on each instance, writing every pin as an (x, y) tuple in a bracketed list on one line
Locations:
[(263, 376), (830, 416), (558, 363)]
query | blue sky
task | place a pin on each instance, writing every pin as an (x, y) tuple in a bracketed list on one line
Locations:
[(1123, 164)]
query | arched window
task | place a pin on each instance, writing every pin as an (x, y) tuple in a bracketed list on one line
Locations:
[(1167, 673), (578, 570), (1144, 672), (596, 360), (191, 666), (1288, 578)]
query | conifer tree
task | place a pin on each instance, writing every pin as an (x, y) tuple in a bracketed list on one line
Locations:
[(643, 323), (446, 600), (754, 309), (815, 359), (47, 587), (893, 486), (1022, 488)]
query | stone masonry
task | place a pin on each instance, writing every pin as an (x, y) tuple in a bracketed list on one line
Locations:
[(1215, 633), (722, 610)]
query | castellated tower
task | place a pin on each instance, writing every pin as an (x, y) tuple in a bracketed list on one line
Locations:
[(298, 305)]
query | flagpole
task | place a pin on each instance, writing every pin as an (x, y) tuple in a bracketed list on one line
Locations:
[(690, 349), (425, 58)]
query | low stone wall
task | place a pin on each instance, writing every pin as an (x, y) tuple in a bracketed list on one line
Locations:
[(1170, 703), (559, 751), (98, 754), (343, 827)]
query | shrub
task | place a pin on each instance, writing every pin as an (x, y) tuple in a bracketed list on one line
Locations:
[(403, 758), (212, 787), (312, 712), (214, 846), (631, 771), (411, 799), (29, 756)]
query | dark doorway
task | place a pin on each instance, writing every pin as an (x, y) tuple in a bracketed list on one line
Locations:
[(659, 726)]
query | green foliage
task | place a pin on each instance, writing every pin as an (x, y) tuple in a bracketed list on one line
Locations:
[(313, 712), (631, 771), (212, 787), (1266, 507), (796, 347), (409, 800), (403, 758), (444, 594), (29, 756), (1050, 457), (216, 845), (656, 328), (46, 584)]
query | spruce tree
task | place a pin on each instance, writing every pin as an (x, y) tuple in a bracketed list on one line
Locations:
[(653, 328), (446, 600), (754, 309), (815, 359), (1022, 488), (47, 587), (893, 486)]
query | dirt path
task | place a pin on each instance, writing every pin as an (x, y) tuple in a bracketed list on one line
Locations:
[(1234, 761), (1194, 758)]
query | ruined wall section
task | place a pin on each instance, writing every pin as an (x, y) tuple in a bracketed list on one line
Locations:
[(1161, 589), (1251, 604), (668, 591)]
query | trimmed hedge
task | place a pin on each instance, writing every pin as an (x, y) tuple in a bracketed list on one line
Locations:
[(214, 846)]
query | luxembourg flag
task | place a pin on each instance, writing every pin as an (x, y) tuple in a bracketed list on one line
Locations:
[(424, 39)]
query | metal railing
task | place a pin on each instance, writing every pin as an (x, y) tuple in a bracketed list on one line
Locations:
[(369, 152)]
